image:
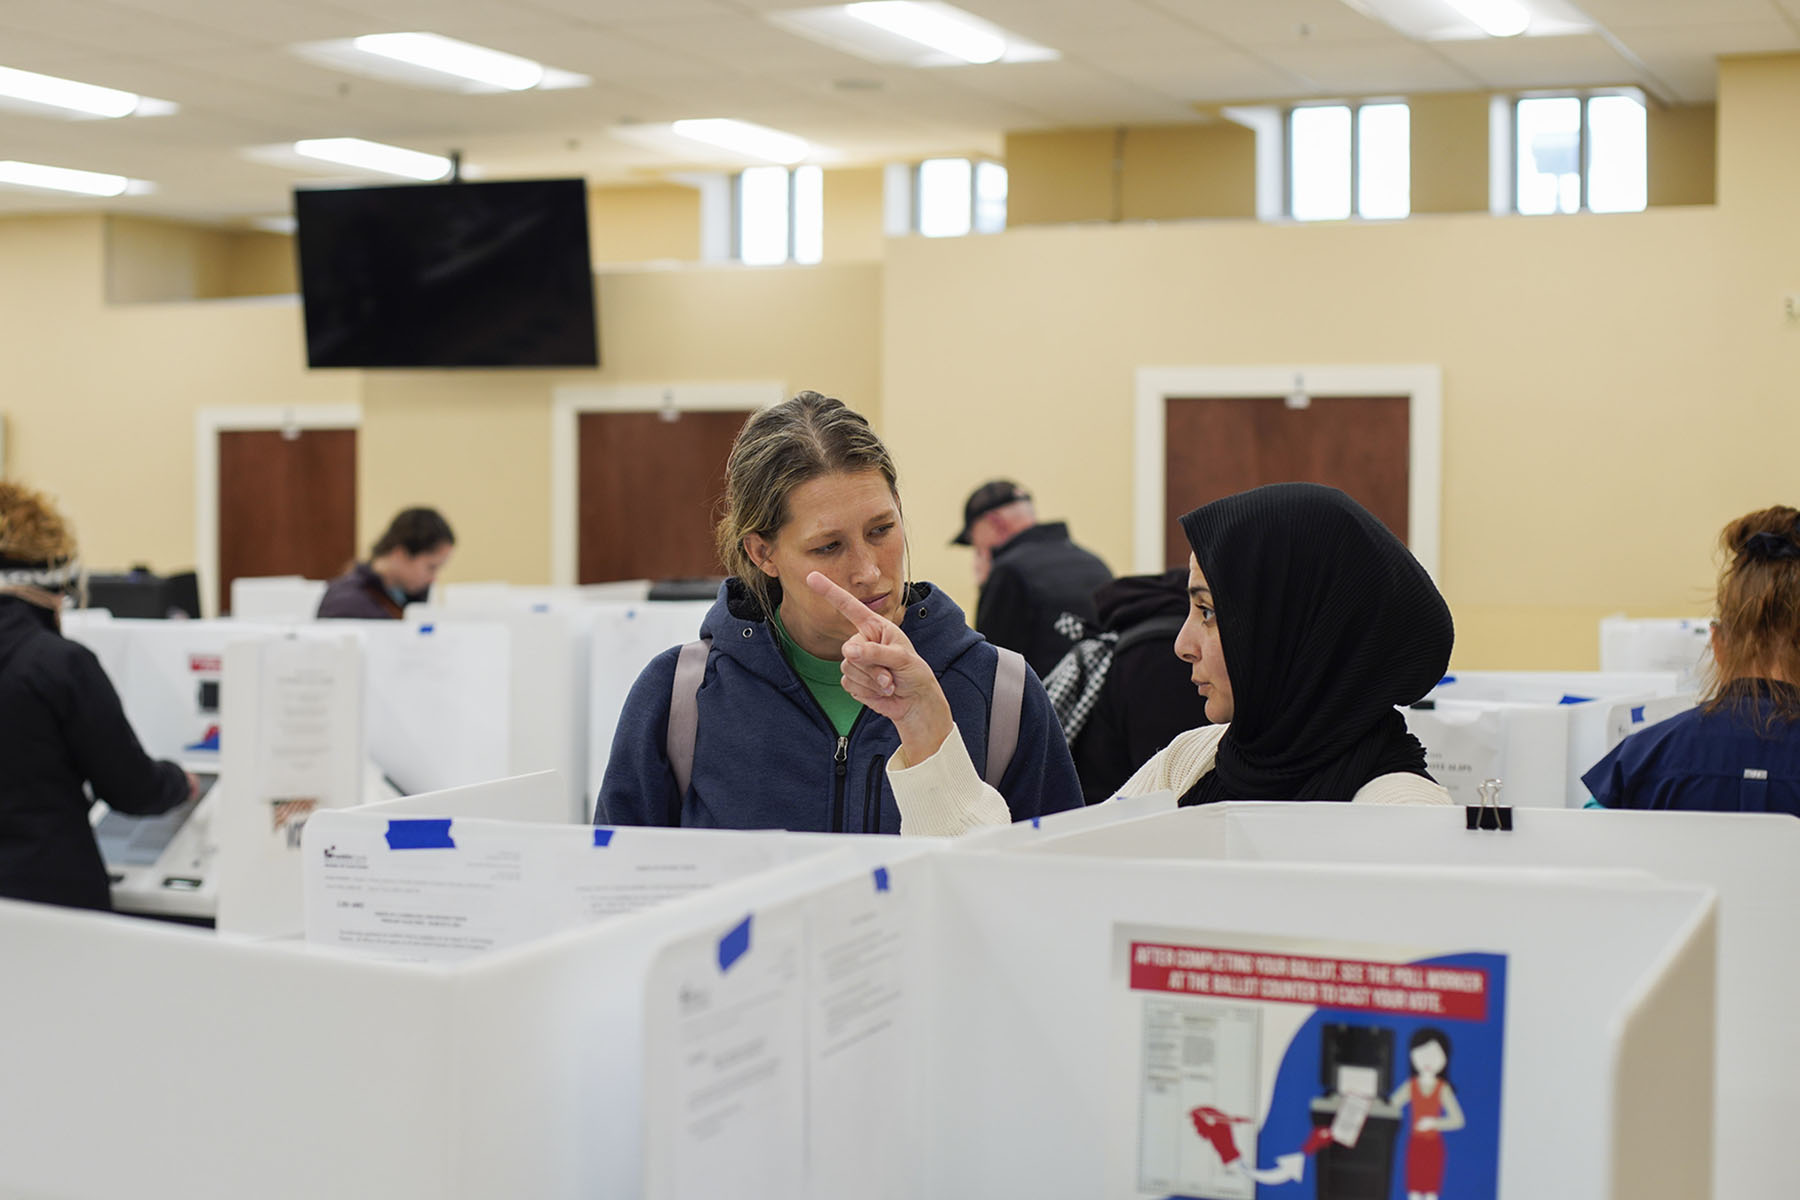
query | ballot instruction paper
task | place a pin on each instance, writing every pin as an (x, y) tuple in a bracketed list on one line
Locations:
[(1251, 1067), (791, 1035), (439, 889)]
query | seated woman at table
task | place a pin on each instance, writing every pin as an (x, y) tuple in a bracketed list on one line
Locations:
[(1309, 622), (1739, 751)]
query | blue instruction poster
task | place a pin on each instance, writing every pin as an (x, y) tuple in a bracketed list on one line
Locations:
[(1266, 1068)]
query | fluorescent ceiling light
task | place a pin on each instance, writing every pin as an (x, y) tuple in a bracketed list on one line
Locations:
[(742, 137), (462, 59), (375, 156), (935, 25), (62, 179), (66, 93), (871, 30), (1496, 18), (282, 224)]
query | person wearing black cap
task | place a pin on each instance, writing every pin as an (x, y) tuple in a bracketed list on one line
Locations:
[(1309, 622), (60, 723), (1029, 574)]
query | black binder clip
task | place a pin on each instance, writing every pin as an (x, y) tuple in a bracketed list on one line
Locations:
[(1490, 814)]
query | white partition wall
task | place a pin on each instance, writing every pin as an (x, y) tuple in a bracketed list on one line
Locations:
[(439, 702), (282, 598), (625, 638), (937, 1025), (1682, 645), (1752, 860)]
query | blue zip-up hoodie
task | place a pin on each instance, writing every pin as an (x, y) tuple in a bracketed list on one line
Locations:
[(765, 757)]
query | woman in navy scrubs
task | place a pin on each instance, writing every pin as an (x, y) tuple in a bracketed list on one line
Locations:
[(1739, 751)]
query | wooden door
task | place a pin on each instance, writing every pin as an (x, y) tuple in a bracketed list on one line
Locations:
[(287, 504), (650, 491), (1216, 446)]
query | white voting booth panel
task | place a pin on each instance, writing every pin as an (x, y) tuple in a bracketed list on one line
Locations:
[(1679, 644), (1536, 731), (1752, 860), (1040, 1085), (548, 649), (626, 636), (438, 710), (275, 1070), (286, 599)]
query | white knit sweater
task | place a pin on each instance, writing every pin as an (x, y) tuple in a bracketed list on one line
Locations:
[(945, 796)]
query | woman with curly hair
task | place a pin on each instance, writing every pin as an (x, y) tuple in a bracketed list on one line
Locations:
[(1739, 751), (61, 724)]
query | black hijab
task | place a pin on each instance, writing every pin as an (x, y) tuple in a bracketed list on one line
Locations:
[(1327, 622)]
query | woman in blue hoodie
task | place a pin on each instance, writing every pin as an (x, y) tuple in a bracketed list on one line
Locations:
[(763, 731)]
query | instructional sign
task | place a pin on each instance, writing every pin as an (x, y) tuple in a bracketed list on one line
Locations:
[(1278, 1067)]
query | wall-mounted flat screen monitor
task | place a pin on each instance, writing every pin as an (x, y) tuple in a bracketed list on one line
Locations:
[(447, 275)]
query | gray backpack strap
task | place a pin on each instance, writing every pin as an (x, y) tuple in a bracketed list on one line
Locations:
[(684, 718), (1004, 714)]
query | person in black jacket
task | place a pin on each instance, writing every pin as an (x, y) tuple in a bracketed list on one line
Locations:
[(61, 723), (1121, 693), (400, 571), (1029, 574)]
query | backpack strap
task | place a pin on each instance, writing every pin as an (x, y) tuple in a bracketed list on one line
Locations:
[(684, 719), (1155, 629), (1004, 714)]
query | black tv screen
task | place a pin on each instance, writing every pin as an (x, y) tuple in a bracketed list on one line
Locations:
[(447, 275)]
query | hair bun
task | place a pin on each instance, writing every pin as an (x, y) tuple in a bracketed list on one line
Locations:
[(1769, 547)]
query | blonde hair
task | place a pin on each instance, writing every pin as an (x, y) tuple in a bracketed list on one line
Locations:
[(1758, 631), (778, 450), (31, 528)]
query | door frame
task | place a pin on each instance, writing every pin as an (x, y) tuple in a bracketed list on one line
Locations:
[(571, 400), (209, 423), (1422, 384)]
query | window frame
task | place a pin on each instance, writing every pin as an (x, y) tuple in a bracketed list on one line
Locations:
[(1355, 108), (1583, 144), (916, 180), (793, 203)]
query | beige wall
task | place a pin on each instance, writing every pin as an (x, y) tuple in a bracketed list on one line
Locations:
[(1615, 387), (1683, 148), (644, 223), (260, 264), (853, 214), (158, 262), (1171, 172), (1062, 175), (1449, 152)]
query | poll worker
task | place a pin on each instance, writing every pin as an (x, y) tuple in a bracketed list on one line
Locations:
[(1308, 622), (1029, 573), (400, 571), (61, 724), (1739, 750), (769, 727)]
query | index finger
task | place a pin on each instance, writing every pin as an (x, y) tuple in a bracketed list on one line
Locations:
[(867, 621)]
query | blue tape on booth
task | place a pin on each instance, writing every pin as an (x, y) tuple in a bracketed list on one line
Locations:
[(1637, 714), (881, 879), (420, 833), (603, 837), (1446, 679), (1036, 823), (734, 945), (426, 628), (1576, 700)]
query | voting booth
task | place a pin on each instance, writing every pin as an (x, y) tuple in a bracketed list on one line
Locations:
[(888, 1017), (1536, 732), (1747, 858), (1679, 644), (284, 599), (626, 636)]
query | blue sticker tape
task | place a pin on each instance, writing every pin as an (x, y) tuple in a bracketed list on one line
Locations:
[(540, 608), (1637, 715), (426, 628), (881, 879), (416, 833), (603, 837), (1036, 823), (1446, 679), (734, 945), (1576, 700)]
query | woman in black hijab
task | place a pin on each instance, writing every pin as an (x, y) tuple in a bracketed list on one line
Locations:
[(1320, 622), (1308, 623)]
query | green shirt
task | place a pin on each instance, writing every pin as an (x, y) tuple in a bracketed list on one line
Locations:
[(824, 679)]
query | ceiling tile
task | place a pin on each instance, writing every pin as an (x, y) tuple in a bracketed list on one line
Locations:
[(1616, 14), (1343, 70), (1279, 22), (110, 28), (1706, 42), (1217, 77), (1580, 61)]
